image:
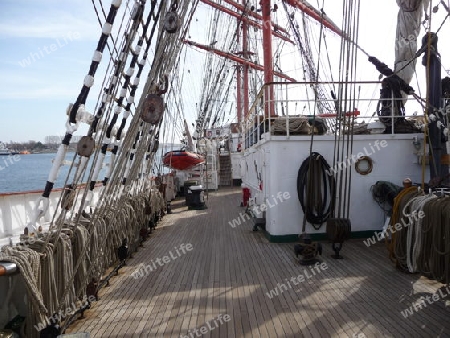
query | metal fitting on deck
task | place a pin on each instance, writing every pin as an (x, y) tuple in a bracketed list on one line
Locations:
[(7, 268)]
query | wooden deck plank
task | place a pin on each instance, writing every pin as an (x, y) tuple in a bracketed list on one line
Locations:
[(230, 271)]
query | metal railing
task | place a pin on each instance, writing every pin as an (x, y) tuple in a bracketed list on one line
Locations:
[(263, 112)]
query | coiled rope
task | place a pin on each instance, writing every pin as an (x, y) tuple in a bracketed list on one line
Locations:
[(421, 244), (316, 189), (397, 250), (414, 233)]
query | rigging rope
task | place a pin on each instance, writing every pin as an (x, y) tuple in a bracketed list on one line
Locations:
[(94, 241), (307, 58)]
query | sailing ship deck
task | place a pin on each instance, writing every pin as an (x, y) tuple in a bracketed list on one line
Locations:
[(229, 271)]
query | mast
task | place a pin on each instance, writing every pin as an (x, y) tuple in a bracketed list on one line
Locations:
[(244, 20), (245, 54), (237, 59), (269, 109), (238, 78), (239, 92), (242, 71), (313, 13), (408, 28), (432, 64)]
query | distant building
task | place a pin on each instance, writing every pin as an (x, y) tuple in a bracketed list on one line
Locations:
[(56, 140)]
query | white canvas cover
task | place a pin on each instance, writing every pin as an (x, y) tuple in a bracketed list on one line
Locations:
[(408, 28)]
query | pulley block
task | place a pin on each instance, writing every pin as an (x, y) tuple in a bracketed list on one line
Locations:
[(85, 146), (171, 22), (153, 109), (338, 231)]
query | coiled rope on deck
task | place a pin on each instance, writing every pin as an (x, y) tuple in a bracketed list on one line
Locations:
[(414, 234), (440, 249), (420, 244), (28, 262), (397, 250)]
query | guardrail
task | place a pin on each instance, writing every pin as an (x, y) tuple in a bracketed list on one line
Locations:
[(263, 113)]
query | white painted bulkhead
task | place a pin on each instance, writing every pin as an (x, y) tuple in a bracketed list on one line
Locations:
[(277, 160)]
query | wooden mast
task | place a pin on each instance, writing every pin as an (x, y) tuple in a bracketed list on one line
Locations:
[(269, 106), (245, 55)]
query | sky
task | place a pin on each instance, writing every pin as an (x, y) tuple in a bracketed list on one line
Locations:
[(47, 45), (46, 50)]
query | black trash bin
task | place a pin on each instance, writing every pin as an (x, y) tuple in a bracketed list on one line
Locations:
[(187, 196), (195, 197)]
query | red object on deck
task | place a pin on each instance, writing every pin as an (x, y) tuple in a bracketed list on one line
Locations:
[(182, 160), (245, 196)]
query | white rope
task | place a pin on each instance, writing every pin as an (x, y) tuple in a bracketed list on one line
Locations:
[(414, 231), (28, 262)]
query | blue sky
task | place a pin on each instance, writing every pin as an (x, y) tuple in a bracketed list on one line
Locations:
[(46, 51), (47, 45)]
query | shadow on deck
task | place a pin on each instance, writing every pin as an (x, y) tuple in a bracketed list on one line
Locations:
[(232, 271)]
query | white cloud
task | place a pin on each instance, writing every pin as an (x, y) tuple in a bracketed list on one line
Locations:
[(59, 26), (31, 86), (37, 92)]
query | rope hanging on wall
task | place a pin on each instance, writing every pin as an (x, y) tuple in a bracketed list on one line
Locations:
[(316, 189)]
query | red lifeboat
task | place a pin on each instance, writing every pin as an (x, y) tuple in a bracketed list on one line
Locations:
[(181, 159)]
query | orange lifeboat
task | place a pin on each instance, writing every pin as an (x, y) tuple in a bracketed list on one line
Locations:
[(182, 160)]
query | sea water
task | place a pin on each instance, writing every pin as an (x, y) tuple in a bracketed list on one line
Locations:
[(30, 172)]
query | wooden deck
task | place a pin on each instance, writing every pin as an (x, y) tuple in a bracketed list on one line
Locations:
[(229, 271)]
